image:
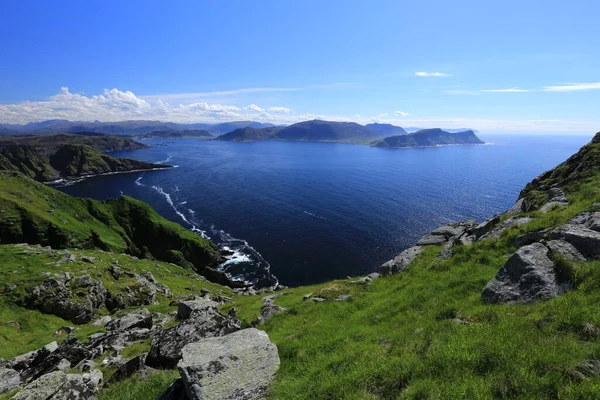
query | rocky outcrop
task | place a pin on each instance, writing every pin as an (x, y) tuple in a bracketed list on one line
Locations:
[(236, 366), (556, 197), (583, 234), (74, 299), (528, 275), (185, 309), (139, 319), (201, 323), (9, 380), (401, 261), (496, 231), (269, 308)]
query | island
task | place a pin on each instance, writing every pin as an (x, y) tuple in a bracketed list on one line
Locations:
[(428, 138)]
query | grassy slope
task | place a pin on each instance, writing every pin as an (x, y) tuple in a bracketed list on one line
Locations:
[(34, 213), (49, 144)]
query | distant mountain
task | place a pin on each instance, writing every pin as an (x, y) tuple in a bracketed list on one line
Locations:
[(326, 131), (428, 137), (250, 134), (226, 127), (121, 128), (193, 133), (386, 129), (49, 144), (413, 129)]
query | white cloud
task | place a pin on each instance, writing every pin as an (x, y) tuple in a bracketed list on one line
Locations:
[(401, 113), (254, 107), (572, 87), (223, 93), (431, 74), (280, 110), (461, 91), (511, 90)]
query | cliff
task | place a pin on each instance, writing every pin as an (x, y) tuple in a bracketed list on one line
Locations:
[(428, 138)]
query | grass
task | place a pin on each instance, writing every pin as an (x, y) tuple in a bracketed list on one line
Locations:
[(140, 389)]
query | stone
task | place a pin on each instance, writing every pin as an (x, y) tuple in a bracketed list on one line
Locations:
[(531, 237), (232, 312), (565, 249), (186, 308), (486, 226), (498, 230), (129, 368), (86, 365), (584, 239), (307, 296), (528, 275), (318, 299), (240, 365), (63, 365), (431, 240), (446, 250), (268, 310), (46, 387), (23, 361), (166, 344), (9, 380), (102, 321), (80, 387), (175, 392), (136, 319), (556, 197), (343, 297), (64, 330), (115, 271), (401, 261), (517, 208)]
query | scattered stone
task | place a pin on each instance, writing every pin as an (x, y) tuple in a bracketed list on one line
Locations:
[(88, 259), (63, 365), (64, 330), (115, 271), (343, 297), (528, 275), (186, 308), (9, 380), (86, 365), (10, 288), (139, 319), (113, 361), (307, 296), (166, 344), (14, 324), (102, 321), (129, 368), (268, 310), (240, 365), (401, 261), (318, 299)]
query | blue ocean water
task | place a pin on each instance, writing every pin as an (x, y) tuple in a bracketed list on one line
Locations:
[(309, 212)]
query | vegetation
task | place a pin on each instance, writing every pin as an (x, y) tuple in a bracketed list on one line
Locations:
[(48, 144)]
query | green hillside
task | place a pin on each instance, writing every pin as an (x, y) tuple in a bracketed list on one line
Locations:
[(428, 137)]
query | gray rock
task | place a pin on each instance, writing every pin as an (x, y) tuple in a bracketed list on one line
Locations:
[(268, 310), (446, 250), (129, 368), (531, 237), (167, 344), (9, 380), (237, 366), (499, 229), (585, 240), (401, 261), (318, 299), (486, 226), (136, 319), (186, 308), (565, 249), (24, 361), (175, 392), (343, 297), (556, 197), (45, 387), (517, 208), (367, 279), (63, 365), (431, 240), (307, 296), (528, 275), (102, 321), (80, 387)]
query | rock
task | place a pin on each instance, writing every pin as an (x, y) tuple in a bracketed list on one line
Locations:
[(270, 298), (87, 259), (343, 297), (102, 321), (240, 365), (528, 275), (318, 299), (113, 362), (446, 250), (517, 208), (454, 230), (115, 271), (186, 308), (86, 365), (307, 296), (10, 288), (45, 387), (565, 249), (268, 310), (531, 237), (166, 344), (63, 364), (9, 380), (486, 226), (128, 369), (556, 197), (431, 240), (589, 368), (139, 318), (81, 387), (585, 240), (175, 392), (401, 261), (232, 312), (74, 299), (23, 361), (64, 330), (498, 230)]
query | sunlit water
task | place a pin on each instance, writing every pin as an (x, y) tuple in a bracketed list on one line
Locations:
[(310, 212)]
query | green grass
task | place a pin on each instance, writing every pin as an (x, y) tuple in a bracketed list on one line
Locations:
[(140, 389)]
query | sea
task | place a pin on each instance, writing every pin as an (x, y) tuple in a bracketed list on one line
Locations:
[(302, 213)]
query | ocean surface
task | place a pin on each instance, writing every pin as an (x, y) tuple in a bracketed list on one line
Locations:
[(303, 213)]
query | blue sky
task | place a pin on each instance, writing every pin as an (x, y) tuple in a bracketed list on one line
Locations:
[(510, 66)]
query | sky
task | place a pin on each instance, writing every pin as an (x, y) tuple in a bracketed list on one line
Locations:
[(510, 66)]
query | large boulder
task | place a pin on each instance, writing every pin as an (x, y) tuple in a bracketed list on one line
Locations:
[(582, 238), (166, 345), (401, 261), (185, 309), (24, 361), (58, 386), (237, 366), (75, 299), (528, 275)]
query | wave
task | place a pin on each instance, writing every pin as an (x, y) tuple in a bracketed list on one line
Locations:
[(242, 261), (169, 158), (315, 215), (138, 181)]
